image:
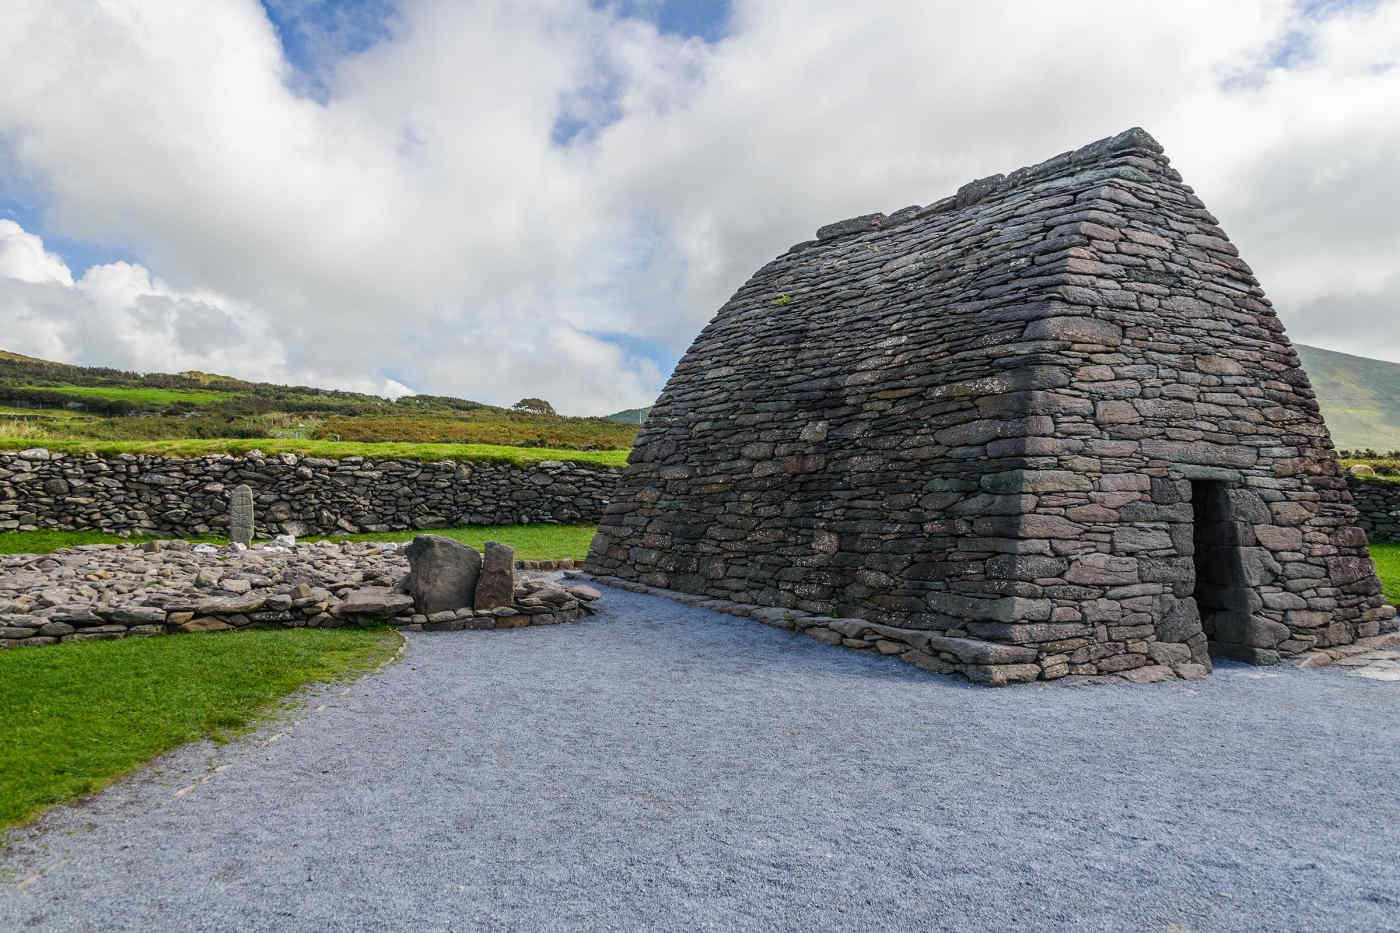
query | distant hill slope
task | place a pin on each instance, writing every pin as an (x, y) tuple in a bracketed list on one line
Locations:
[(42, 400), (1360, 397), (629, 416), (20, 357)]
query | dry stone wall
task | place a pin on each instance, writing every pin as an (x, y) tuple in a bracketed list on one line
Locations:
[(1378, 507), (291, 494), (1003, 418)]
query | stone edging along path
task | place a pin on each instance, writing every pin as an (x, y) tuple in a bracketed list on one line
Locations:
[(981, 662), (105, 591)]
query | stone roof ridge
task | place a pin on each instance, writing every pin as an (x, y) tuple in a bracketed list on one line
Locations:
[(1134, 138)]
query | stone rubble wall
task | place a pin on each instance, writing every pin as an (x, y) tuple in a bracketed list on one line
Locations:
[(294, 495), (1377, 503), (107, 592)]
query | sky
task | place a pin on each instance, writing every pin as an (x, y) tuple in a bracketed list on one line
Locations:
[(550, 198)]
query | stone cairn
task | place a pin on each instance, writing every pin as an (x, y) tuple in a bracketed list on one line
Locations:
[(240, 516)]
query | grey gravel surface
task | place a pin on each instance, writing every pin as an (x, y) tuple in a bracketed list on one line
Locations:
[(662, 767)]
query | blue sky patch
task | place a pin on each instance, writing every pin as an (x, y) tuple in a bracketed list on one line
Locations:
[(315, 34), (21, 202), (641, 348), (699, 19), (588, 111)]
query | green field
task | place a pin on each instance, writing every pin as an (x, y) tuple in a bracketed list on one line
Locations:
[(1386, 554), (328, 449), (531, 542), (154, 397), (57, 402), (80, 714)]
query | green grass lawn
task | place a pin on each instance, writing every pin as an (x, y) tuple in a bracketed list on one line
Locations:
[(139, 396), (531, 542), (329, 449), (78, 715), (1386, 554), (48, 414)]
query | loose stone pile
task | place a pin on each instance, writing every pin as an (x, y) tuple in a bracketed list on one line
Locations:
[(107, 591), (292, 494), (1053, 415)]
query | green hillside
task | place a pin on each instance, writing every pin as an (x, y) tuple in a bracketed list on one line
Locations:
[(629, 416), (1360, 398), (43, 402)]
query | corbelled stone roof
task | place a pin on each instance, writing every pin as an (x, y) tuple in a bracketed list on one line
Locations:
[(981, 420)]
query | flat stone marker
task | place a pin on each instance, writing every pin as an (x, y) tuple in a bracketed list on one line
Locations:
[(240, 528), (442, 573), (496, 587)]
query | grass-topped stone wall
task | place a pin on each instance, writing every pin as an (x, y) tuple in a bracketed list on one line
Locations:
[(293, 493), (1377, 501)]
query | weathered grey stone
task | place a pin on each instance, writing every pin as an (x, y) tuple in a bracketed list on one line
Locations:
[(1076, 330), (1240, 629), (999, 675), (1103, 570), (1035, 481), (443, 573), (496, 585), (976, 651), (230, 605), (241, 515), (378, 601), (204, 624)]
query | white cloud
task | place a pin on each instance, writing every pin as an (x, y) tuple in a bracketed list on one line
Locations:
[(23, 257), (421, 223)]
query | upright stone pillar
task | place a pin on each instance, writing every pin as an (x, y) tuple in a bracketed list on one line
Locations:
[(240, 528), (496, 588)]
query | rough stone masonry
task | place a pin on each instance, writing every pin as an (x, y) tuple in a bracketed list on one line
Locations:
[(292, 494), (1049, 425)]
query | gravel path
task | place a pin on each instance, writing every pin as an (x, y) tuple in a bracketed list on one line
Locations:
[(662, 767)]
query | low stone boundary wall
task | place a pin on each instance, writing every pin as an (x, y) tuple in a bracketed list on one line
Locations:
[(1378, 506), (103, 592), (185, 497)]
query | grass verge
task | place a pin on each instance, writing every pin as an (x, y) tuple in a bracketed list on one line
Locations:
[(1386, 554), (78, 715), (43, 542), (329, 449), (531, 542)]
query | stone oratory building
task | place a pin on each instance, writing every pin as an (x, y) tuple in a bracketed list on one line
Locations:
[(1047, 426)]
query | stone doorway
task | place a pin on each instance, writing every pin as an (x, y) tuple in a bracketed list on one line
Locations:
[(1222, 592)]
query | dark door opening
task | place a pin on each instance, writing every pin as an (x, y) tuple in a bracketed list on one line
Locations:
[(1222, 594)]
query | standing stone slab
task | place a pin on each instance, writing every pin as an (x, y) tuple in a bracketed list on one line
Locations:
[(442, 573), (496, 588), (240, 530)]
